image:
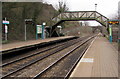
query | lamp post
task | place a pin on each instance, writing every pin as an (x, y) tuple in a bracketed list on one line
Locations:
[(95, 7), (43, 25)]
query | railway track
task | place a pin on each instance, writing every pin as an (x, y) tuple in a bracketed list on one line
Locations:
[(8, 56), (31, 53), (15, 65), (65, 64), (51, 55)]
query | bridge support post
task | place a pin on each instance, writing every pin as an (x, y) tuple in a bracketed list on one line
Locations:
[(110, 33)]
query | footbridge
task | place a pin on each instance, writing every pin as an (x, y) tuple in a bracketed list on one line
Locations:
[(79, 16)]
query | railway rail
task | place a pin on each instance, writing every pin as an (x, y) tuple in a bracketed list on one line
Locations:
[(55, 53), (11, 53), (59, 68), (30, 54)]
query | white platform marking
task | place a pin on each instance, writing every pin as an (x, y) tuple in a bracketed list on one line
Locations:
[(88, 60)]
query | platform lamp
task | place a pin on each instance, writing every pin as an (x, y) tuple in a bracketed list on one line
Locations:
[(95, 7)]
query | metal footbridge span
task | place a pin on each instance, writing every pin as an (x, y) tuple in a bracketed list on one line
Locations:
[(78, 16)]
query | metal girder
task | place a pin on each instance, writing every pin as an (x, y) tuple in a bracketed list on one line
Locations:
[(80, 15)]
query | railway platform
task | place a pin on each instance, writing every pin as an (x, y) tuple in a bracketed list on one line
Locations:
[(12, 46), (100, 60)]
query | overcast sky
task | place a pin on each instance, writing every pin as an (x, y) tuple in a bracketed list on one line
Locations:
[(106, 7)]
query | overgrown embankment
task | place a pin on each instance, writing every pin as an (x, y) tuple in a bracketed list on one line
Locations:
[(17, 12)]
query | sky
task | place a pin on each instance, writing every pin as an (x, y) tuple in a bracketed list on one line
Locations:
[(107, 8)]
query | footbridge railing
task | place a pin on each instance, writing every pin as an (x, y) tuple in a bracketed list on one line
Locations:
[(80, 15)]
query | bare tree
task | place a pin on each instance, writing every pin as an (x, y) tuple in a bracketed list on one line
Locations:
[(62, 7)]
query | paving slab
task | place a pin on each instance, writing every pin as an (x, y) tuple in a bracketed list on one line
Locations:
[(100, 60), (30, 42)]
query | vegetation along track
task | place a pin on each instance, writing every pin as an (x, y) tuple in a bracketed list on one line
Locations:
[(21, 63)]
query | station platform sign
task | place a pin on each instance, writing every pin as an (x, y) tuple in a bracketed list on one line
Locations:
[(6, 22), (112, 22)]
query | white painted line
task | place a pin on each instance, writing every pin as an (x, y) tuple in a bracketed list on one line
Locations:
[(87, 60)]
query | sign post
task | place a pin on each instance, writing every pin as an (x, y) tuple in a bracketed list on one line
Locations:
[(119, 33), (6, 32), (110, 33), (6, 28), (112, 22), (25, 32)]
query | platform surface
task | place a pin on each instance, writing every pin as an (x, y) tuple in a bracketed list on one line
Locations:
[(30, 42), (100, 60)]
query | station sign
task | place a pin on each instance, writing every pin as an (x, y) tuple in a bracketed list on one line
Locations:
[(6, 22), (39, 29), (28, 19), (113, 22)]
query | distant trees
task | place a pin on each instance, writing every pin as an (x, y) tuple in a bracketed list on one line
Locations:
[(62, 7)]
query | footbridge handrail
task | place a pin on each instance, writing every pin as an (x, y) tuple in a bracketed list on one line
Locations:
[(77, 16), (81, 15)]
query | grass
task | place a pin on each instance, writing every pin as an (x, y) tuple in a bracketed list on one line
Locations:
[(5, 42)]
